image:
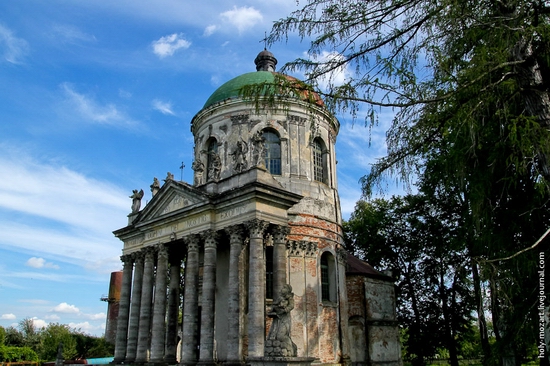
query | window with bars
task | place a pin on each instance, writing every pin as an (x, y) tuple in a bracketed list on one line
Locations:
[(318, 166), (272, 152)]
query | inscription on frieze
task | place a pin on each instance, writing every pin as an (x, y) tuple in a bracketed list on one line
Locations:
[(189, 223), (232, 212)]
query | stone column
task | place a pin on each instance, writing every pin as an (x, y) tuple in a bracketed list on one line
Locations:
[(279, 258), (191, 302), (234, 350), (135, 309), (173, 307), (145, 311), (208, 297), (159, 307), (256, 294), (124, 310)]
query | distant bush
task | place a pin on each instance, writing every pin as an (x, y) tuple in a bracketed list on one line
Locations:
[(17, 354)]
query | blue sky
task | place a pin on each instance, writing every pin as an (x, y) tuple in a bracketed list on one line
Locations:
[(96, 98)]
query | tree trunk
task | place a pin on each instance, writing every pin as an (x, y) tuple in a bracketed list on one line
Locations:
[(482, 322)]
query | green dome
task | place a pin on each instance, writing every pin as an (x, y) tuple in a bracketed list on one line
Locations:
[(231, 88)]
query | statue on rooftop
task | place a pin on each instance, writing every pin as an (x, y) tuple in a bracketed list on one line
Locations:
[(136, 199), (155, 186)]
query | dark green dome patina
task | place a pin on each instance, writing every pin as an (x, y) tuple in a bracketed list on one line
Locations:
[(231, 89), (265, 74)]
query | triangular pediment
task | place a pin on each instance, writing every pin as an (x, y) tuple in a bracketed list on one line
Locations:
[(172, 197)]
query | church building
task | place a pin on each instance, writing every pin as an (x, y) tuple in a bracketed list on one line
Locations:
[(247, 264)]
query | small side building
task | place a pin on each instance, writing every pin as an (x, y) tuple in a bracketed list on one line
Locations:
[(372, 327)]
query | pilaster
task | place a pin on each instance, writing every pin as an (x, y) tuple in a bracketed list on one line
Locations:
[(256, 295)]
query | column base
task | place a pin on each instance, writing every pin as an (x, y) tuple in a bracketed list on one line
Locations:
[(207, 363), (234, 363), (280, 361)]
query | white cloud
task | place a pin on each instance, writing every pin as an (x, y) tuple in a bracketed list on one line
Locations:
[(39, 323), (77, 208), (8, 317), (163, 107), (98, 316), (242, 18), (14, 49), (66, 308), (91, 111), (71, 34), (53, 317), (85, 327), (40, 263), (208, 31), (167, 45)]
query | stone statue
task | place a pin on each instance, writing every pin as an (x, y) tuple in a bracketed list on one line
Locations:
[(258, 149), (169, 176), (155, 186), (278, 342), (59, 358), (215, 167), (136, 199), (198, 167), (239, 157)]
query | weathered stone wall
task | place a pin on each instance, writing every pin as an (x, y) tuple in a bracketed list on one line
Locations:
[(373, 329)]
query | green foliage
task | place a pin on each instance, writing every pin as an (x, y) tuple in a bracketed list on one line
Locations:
[(420, 239), (53, 335), (17, 354), (2, 336), (14, 337), (470, 81)]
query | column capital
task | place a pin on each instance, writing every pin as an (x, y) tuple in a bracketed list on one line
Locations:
[(137, 256), (280, 233), (299, 248), (149, 252), (235, 232), (162, 251), (192, 241), (210, 238), (256, 227), (127, 259)]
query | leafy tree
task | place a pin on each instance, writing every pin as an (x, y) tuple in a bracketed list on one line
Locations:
[(54, 334), (14, 337), (2, 336), (470, 83), (420, 239)]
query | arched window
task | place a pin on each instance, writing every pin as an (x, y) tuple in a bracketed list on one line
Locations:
[(328, 278), (320, 173), (212, 149), (272, 152)]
